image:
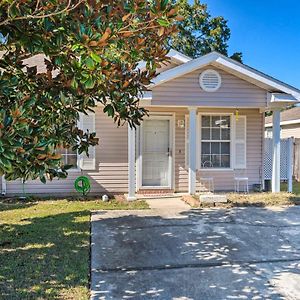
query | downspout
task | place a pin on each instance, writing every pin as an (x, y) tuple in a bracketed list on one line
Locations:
[(3, 186)]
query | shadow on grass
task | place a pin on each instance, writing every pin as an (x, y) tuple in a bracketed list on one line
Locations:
[(14, 203), (45, 256)]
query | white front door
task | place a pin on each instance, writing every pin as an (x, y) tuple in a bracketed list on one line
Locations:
[(156, 153)]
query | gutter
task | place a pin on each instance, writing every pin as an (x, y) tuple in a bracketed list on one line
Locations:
[(3, 186)]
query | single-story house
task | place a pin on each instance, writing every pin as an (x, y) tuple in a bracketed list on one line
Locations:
[(289, 124), (207, 119)]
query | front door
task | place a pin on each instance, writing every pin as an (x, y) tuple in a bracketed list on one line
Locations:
[(156, 153)]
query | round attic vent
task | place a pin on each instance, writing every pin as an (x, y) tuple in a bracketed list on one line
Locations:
[(210, 80)]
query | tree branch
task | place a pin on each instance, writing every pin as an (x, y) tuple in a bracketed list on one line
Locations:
[(66, 9)]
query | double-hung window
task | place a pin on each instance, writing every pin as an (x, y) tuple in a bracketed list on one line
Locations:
[(216, 141), (68, 157)]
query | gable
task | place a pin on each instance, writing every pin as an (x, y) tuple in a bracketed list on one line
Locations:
[(185, 90), (285, 94)]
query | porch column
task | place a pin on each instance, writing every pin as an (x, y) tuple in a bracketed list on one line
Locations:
[(192, 149), (3, 185), (131, 164), (276, 152)]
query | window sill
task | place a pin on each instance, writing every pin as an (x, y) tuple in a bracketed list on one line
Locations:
[(74, 170), (216, 169)]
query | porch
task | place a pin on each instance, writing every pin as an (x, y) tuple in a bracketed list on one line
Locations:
[(179, 162)]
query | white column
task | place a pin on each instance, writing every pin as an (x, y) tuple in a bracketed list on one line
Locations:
[(290, 164), (131, 164), (192, 149), (276, 152), (3, 185)]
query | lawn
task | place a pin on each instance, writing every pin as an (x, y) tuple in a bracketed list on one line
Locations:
[(252, 199), (45, 247), (296, 187)]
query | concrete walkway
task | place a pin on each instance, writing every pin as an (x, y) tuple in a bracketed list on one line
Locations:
[(173, 252)]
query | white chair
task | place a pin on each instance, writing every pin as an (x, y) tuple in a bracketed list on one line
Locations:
[(206, 180), (241, 179)]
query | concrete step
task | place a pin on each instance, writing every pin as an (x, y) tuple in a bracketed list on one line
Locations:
[(213, 198)]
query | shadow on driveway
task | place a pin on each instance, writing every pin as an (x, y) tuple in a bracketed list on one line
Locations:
[(241, 253)]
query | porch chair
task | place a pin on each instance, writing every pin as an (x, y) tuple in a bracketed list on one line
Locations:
[(240, 176), (206, 179)]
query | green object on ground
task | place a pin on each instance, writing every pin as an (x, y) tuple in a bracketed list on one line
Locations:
[(82, 185), (45, 248)]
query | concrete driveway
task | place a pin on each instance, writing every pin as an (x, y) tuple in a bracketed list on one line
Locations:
[(172, 252)]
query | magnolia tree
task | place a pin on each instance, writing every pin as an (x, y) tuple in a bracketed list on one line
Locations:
[(91, 51)]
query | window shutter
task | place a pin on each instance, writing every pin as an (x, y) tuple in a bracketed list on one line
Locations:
[(187, 126), (240, 142), (87, 122)]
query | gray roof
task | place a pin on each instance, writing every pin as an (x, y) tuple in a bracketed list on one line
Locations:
[(287, 115)]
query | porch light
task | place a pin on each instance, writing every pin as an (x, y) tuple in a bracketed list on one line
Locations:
[(180, 124)]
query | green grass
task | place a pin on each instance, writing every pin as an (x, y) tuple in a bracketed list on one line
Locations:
[(296, 187), (262, 199), (45, 247)]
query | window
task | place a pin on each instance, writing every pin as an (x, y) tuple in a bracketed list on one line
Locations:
[(215, 141), (68, 157)]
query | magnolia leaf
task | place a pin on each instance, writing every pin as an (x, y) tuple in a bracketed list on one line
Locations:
[(43, 179), (163, 4), (161, 31), (90, 83), (105, 36), (96, 57), (163, 22), (90, 63)]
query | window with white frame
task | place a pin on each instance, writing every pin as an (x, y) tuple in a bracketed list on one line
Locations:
[(215, 141), (68, 156)]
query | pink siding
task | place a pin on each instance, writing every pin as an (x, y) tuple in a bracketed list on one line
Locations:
[(290, 131), (110, 175), (111, 171), (223, 179), (186, 91)]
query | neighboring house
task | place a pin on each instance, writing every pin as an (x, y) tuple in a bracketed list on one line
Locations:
[(289, 123), (206, 120)]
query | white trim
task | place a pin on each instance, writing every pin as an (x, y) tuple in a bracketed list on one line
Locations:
[(171, 171), (192, 149), (290, 164), (186, 140), (180, 57), (131, 164), (3, 186), (292, 122), (276, 152), (92, 149), (232, 141), (244, 141), (218, 58)]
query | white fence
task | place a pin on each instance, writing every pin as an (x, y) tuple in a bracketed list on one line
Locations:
[(286, 160)]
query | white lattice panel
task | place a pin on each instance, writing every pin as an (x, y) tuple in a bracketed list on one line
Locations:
[(268, 158)]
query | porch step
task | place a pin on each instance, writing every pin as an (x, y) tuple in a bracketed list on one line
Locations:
[(211, 198), (157, 195), (155, 191)]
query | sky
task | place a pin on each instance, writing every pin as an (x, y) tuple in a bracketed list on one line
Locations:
[(266, 32)]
